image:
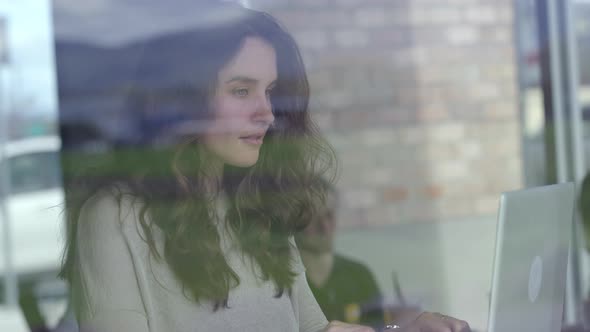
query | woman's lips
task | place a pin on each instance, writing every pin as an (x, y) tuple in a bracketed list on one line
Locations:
[(253, 140)]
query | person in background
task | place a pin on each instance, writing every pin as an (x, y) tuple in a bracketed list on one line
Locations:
[(345, 289), (584, 210)]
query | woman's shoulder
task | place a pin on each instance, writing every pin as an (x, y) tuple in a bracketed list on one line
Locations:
[(110, 210), (297, 263)]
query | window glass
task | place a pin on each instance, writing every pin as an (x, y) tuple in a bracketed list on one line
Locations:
[(432, 109), (31, 195)]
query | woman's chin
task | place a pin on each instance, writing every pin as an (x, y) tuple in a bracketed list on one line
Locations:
[(244, 161)]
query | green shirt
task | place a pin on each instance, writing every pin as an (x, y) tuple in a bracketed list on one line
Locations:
[(350, 294)]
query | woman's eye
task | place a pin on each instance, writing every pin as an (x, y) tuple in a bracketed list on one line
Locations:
[(240, 92)]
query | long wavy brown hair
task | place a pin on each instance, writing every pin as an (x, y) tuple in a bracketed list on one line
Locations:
[(267, 202)]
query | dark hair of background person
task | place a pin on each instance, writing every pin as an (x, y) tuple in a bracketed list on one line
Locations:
[(268, 202), (584, 203)]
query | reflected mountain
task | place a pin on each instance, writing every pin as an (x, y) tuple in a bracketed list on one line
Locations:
[(102, 88), (121, 106)]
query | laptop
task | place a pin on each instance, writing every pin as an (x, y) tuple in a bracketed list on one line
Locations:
[(531, 256)]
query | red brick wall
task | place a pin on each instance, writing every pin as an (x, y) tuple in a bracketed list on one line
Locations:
[(419, 99)]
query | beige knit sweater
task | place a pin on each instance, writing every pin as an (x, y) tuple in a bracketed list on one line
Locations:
[(119, 286)]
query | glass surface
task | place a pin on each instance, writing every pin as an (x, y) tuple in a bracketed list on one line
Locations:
[(433, 108)]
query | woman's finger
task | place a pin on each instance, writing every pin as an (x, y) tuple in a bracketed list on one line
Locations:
[(436, 322)]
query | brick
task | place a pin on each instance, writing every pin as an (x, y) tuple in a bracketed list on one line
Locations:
[(377, 176), (296, 19), (443, 15), (434, 191), (428, 35), (504, 146), (351, 4), (481, 15), (323, 120), (355, 160), (509, 89), (501, 110), (378, 137), (311, 38), (370, 17), (398, 17), (267, 4), (419, 16), (502, 34), (448, 170), (462, 35), (435, 3), (347, 4), (433, 113), (395, 116), (436, 151), (446, 132), (339, 142), (335, 100), (314, 4), (394, 194), (483, 92), (320, 80), (410, 57), (444, 53), (392, 159), (359, 198), (411, 135), (352, 218), (390, 38), (469, 188), (347, 38), (469, 150), (505, 15), (499, 72), (509, 181)]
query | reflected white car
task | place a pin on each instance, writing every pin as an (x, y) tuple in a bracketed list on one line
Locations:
[(35, 206), (11, 319)]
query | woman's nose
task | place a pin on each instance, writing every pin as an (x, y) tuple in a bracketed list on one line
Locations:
[(264, 110)]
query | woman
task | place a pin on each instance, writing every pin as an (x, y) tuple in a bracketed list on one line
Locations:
[(197, 236)]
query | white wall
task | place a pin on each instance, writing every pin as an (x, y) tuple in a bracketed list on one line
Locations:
[(445, 266)]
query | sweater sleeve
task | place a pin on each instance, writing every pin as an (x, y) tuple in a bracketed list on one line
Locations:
[(311, 317), (106, 289)]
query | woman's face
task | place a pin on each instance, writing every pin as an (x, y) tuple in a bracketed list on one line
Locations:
[(318, 236), (242, 112)]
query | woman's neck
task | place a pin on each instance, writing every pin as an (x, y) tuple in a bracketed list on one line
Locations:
[(213, 170), (318, 266)]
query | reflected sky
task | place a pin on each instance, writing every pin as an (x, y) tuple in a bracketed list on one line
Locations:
[(128, 20), (29, 78)]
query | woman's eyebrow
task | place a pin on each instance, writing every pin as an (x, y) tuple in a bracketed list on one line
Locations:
[(242, 79), (247, 80)]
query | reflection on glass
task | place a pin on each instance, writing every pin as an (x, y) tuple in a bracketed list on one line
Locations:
[(418, 100), (27, 177), (34, 198)]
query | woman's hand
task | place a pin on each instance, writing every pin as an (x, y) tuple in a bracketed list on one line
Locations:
[(426, 322), (434, 322), (336, 326)]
